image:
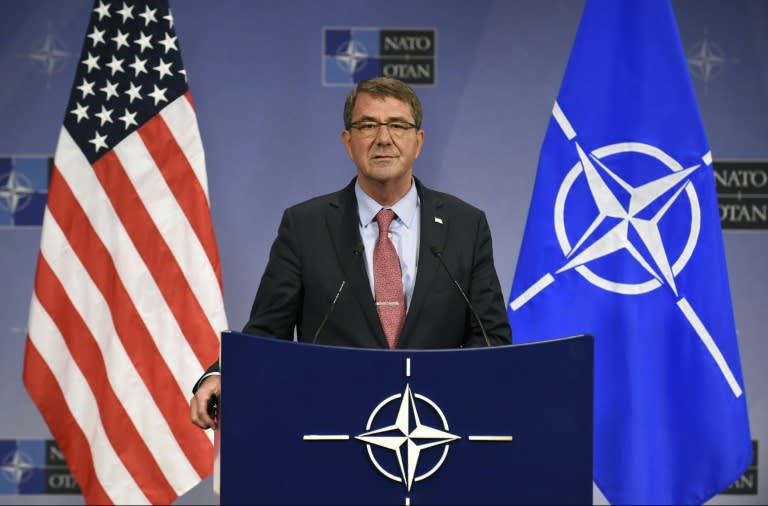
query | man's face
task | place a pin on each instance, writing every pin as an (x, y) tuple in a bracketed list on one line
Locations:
[(382, 158)]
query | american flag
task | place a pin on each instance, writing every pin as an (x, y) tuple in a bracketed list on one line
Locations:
[(127, 304)]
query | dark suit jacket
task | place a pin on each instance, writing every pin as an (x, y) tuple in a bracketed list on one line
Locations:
[(318, 246)]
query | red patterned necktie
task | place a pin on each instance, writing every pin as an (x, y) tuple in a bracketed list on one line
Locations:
[(388, 281)]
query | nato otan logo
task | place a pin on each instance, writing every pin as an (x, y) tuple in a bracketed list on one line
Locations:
[(353, 55), (23, 190), (34, 467)]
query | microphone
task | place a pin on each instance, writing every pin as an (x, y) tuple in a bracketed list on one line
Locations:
[(439, 255), (355, 253)]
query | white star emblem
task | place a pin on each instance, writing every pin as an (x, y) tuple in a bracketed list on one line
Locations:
[(116, 65), (133, 92), (13, 191), (110, 90), (102, 10), (126, 12), (617, 237), (351, 56), (707, 60), (148, 15), (17, 467), (98, 141), (407, 431), (86, 88), (138, 65), (169, 43), (92, 62), (81, 112), (96, 36), (408, 436), (105, 115), (144, 42), (49, 57), (164, 69), (158, 94), (121, 39), (662, 193), (128, 118)]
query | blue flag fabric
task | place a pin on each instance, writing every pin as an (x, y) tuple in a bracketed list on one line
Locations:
[(623, 241)]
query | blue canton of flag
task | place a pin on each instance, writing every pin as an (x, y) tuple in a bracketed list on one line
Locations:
[(623, 241)]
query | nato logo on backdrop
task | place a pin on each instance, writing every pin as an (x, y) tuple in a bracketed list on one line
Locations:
[(34, 466), (742, 194), (23, 190), (352, 55)]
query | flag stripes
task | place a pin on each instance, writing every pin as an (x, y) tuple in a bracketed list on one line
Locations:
[(127, 305), (154, 251), (115, 420), (109, 275), (42, 383), (128, 294), (86, 300)]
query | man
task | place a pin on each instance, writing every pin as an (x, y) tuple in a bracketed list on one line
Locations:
[(384, 236)]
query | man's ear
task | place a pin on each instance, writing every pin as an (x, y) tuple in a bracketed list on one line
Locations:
[(420, 141), (346, 139)]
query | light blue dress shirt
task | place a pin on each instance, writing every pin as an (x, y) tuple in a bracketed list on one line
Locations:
[(404, 233)]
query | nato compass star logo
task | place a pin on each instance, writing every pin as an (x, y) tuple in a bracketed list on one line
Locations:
[(17, 467), (407, 436), (707, 60), (23, 190), (16, 191), (351, 56), (626, 222), (49, 56)]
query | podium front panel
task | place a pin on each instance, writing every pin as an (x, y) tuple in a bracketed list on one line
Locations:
[(309, 424)]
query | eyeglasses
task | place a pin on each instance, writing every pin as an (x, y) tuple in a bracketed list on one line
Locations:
[(369, 128)]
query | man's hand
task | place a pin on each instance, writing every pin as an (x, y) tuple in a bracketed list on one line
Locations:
[(198, 404)]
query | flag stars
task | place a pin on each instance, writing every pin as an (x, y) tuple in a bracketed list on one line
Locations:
[(116, 65), (138, 65), (81, 111), (105, 115), (96, 36), (110, 89), (184, 73), (126, 12), (169, 43), (128, 118), (144, 41), (92, 62), (133, 92), (86, 88), (148, 15), (169, 17), (121, 39), (158, 94), (99, 141), (102, 10), (163, 69)]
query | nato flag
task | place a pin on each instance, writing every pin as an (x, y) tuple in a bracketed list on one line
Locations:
[(623, 241)]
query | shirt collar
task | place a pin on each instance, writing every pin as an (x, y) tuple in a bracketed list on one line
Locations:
[(405, 208)]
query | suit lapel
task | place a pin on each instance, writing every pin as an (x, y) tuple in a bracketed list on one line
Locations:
[(434, 230), (343, 227)]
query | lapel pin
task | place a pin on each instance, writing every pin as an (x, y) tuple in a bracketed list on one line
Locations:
[(438, 220)]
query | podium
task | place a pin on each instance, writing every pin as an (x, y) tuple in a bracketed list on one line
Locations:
[(314, 424)]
